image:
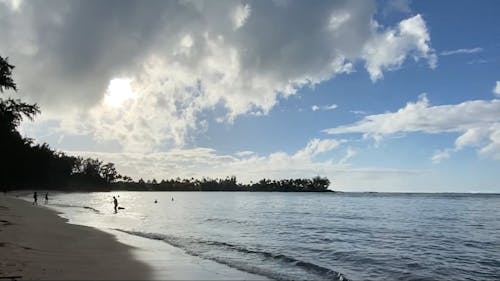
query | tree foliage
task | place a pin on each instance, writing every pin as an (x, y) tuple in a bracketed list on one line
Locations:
[(316, 184), (6, 81), (12, 111)]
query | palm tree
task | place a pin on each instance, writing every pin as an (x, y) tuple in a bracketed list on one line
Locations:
[(12, 111)]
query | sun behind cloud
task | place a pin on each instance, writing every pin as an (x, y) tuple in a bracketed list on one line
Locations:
[(119, 90)]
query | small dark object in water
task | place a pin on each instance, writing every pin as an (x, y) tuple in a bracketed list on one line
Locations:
[(121, 208), (156, 201)]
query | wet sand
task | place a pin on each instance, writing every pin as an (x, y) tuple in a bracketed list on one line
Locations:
[(37, 244)]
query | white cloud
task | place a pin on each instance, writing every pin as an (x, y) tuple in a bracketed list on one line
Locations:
[(244, 153), (348, 155), (206, 162), (470, 137), (492, 148), (477, 122), (358, 112), (461, 51), (240, 15), (317, 146), (185, 58), (478, 61), (338, 19), (331, 107), (325, 107), (388, 50), (440, 156), (496, 90)]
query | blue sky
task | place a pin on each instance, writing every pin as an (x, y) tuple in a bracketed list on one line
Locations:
[(378, 96)]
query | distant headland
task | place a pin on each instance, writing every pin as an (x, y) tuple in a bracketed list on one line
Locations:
[(316, 184)]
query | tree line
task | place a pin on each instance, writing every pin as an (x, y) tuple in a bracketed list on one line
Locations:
[(25, 164), (316, 184)]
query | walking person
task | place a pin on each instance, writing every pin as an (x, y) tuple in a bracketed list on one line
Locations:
[(46, 198), (35, 198)]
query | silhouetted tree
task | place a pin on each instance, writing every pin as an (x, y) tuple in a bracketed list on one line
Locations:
[(6, 81), (316, 184), (13, 148), (12, 111), (108, 173), (126, 179)]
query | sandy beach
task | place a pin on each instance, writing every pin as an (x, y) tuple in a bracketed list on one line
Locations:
[(36, 244)]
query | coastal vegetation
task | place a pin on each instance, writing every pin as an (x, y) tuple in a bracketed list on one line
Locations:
[(25, 164), (316, 184)]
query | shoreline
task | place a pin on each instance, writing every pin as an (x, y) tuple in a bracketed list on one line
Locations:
[(37, 244)]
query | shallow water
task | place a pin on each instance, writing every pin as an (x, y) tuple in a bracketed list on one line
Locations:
[(314, 236)]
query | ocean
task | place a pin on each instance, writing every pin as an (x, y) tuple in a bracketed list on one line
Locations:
[(311, 236)]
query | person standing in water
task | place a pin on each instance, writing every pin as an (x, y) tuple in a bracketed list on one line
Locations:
[(35, 198), (46, 198), (115, 202)]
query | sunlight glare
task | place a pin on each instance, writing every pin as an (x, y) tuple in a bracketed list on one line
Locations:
[(119, 90)]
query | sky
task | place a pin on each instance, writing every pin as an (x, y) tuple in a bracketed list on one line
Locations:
[(387, 96)]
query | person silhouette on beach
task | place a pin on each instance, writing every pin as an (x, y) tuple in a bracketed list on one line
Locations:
[(35, 198), (115, 202), (46, 198)]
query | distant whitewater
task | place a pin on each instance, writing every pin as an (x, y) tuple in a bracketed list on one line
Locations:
[(285, 236)]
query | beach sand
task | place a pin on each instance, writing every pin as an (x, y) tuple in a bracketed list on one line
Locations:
[(37, 244)]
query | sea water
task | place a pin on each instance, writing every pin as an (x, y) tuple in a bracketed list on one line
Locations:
[(311, 236)]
